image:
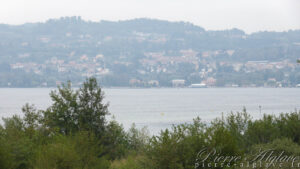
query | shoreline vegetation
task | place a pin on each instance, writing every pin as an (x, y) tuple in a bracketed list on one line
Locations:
[(73, 133)]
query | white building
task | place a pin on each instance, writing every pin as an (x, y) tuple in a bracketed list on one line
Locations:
[(178, 83)]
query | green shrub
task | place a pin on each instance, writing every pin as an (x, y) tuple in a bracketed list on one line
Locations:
[(130, 162), (289, 125), (263, 131), (70, 152), (177, 148)]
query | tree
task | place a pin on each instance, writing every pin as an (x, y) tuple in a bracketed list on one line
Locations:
[(80, 110), (137, 139), (91, 109), (62, 115), (114, 140), (31, 119), (17, 146), (237, 124)]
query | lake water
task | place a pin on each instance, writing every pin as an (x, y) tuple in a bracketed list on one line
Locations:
[(159, 108)]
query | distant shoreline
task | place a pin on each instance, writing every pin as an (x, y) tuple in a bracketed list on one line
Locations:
[(105, 87)]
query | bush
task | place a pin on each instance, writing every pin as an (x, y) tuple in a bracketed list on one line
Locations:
[(289, 126), (70, 152), (177, 148), (263, 131), (131, 162), (278, 148)]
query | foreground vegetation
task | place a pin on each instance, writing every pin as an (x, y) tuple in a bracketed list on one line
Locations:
[(73, 134)]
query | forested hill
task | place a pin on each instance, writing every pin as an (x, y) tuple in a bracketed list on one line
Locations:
[(59, 36), (139, 47)]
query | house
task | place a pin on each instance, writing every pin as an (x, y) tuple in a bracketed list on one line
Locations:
[(153, 83), (178, 83)]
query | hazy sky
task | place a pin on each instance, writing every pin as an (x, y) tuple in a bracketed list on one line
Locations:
[(249, 15)]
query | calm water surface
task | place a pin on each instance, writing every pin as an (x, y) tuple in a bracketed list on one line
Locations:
[(162, 107)]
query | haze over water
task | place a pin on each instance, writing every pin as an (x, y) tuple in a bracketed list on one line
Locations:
[(159, 108)]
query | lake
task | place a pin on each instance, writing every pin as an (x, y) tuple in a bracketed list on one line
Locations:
[(159, 108)]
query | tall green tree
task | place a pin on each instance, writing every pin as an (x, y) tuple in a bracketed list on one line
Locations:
[(91, 109), (77, 110), (62, 115)]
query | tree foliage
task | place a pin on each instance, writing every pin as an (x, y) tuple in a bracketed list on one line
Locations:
[(78, 110)]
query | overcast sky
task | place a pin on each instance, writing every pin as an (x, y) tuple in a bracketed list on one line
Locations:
[(249, 15)]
